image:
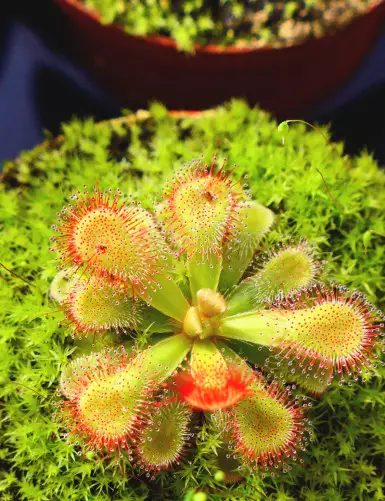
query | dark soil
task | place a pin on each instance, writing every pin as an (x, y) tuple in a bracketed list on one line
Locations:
[(237, 22), (286, 23)]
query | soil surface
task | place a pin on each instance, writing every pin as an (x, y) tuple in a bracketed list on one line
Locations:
[(238, 23), (287, 23)]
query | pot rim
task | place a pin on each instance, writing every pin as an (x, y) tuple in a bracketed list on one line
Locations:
[(166, 41)]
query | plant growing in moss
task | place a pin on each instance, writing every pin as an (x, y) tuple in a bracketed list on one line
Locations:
[(207, 225), (346, 455)]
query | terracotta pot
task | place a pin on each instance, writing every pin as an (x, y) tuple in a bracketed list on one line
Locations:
[(288, 80)]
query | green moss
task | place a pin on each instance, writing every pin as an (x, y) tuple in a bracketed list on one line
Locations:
[(341, 212), (226, 22)]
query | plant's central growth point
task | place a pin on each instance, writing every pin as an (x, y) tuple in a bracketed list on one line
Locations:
[(202, 321), (210, 304)]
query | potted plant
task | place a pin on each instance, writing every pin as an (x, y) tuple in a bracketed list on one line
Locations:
[(240, 49), (333, 202)]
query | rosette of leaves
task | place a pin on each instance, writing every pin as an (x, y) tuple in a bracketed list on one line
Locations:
[(183, 276)]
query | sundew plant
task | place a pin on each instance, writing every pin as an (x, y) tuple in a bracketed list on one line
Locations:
[(214, 340), (180, 278)]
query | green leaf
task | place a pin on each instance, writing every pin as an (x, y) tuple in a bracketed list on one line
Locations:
[(166, 297), (263, 327), (203, 273), (241, 299), (255, 220), (164, 357)]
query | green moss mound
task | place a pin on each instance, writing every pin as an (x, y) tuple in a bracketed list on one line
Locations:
[(335, 202), (237, 22)]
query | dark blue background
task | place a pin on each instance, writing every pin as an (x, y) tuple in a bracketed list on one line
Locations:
[(42, 84)]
